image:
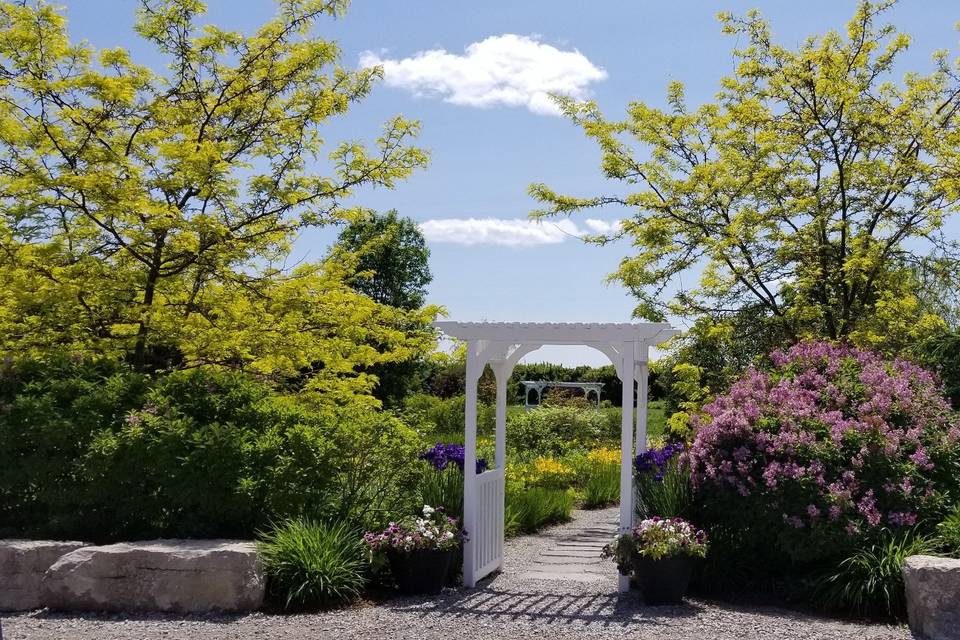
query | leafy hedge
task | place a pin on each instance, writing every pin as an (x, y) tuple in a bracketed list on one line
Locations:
[(554, 430), (433, 415), (91, 450)]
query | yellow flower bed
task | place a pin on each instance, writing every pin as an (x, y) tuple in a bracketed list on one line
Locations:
[(543, 471), (549, 466), (604, 455)]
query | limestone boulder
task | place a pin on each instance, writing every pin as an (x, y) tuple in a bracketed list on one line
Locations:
[(22, 566), (933, 596), (182, 576)]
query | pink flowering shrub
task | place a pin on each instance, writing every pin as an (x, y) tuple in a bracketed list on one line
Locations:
[(829, 445)]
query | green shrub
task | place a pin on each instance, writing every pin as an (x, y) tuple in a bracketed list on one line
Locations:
[(601, 486), (50, 412), (90, 450), (869, 582), (949, 533), (376, 469), (311, 564), (531, 509), (555, 430), (433, 416), (185, 463), (941, 352)]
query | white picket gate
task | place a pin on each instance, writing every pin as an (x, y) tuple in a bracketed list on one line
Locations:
[(487, 538)]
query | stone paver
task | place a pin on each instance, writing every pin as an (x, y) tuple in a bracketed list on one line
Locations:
[(573, 554)]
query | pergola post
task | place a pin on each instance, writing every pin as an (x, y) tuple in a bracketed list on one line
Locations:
[(501, 373), (626, 447), (470, 460), (643, 377)]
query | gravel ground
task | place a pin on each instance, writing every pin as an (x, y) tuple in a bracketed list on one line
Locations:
[(512, 605)]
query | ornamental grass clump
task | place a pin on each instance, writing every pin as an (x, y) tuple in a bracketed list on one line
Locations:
[(869, 583), (662, 481), (312, 564), (829, 447), (602, 486), (948, 533), (443, 488), (530, 509)]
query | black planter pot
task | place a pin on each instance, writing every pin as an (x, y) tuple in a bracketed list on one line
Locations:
[(663, 581), (423, 571), (454, 571)]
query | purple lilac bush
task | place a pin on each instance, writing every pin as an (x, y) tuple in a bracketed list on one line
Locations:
[(442, 455), (831, 442)]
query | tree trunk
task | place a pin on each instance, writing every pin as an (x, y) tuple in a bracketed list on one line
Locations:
[(149, 291)]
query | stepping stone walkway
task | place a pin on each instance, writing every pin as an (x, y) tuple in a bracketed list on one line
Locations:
[(573, 554)]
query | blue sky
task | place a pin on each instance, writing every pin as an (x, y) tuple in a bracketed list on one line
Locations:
[(490, 134)]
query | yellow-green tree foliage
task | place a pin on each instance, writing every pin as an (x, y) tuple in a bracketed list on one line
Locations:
[(810, 189), (150, 212)]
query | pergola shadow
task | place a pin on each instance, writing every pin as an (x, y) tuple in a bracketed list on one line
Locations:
[(488, 603)]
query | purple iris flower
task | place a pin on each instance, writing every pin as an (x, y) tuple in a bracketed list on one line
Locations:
[(441, 455), (657, 460)]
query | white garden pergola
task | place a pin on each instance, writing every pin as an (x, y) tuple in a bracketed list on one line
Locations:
[(501, 345), (539, 386)]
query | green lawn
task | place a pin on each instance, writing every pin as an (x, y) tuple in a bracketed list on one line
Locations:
[(656, 419)]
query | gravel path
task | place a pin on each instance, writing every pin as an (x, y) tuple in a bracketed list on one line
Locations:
[(553, 589)]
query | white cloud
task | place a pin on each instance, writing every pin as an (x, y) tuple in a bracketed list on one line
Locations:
[(602, 227), (516, 232), (508, 70)]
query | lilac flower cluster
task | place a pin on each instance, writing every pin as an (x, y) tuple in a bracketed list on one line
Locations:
[(441, 455), (831, 436), (657, 461)]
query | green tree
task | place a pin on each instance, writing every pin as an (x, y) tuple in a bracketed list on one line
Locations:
[(148, 212), (810, 190), (393, 268), (393, 259)]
